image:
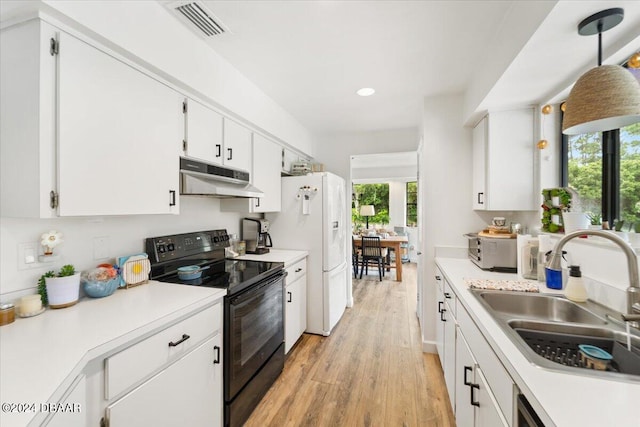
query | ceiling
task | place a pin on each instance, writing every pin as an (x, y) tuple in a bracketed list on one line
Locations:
[(312, 56)]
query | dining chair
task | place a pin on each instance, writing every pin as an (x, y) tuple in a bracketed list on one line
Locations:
[(355, 257), (372, 251)]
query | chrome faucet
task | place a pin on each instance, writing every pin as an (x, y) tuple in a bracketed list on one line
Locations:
[(633, 291)]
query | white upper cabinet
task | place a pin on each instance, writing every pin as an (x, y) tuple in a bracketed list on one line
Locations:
[(77, 123), (120, 133), (203, 132), (503, 161), (237, 145), (265, 175)]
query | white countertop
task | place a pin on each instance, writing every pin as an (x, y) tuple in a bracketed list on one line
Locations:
[(41, 356), (277, 255), (560, 399)]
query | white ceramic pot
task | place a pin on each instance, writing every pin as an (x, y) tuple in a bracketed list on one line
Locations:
[(63, 291), (574, 221)]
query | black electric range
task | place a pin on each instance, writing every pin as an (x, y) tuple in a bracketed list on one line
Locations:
[(205, 249), (253, 312)]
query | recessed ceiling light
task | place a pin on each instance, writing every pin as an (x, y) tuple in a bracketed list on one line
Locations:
[(366, 91)]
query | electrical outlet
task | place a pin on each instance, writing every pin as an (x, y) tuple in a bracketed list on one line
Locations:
[(101, 247), (27, 255)]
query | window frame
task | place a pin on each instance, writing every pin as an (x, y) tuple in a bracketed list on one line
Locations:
[(610, 171), (407, 204)]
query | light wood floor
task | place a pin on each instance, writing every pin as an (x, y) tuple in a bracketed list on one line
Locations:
[(370, 371)]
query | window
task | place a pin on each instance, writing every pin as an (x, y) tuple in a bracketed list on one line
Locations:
[(412, 204), (604, 170), (370, 194)]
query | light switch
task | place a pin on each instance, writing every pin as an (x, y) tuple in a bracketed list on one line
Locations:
[(27, 255)]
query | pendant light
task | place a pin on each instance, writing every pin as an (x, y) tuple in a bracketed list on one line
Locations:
[(607, 96)]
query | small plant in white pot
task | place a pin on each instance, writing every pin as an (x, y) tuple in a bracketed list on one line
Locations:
[(60, 290)]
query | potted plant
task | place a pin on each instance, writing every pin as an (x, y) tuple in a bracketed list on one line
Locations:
[(60, 290)]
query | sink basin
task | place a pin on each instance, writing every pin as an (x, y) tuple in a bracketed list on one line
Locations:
[(544, 307), (548, 330)]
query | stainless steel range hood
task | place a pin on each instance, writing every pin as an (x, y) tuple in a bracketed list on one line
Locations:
[(198, 177)]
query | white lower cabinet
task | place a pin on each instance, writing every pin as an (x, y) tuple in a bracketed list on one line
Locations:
[(475, 404), (295, 303), (186, 393), (480, 390)]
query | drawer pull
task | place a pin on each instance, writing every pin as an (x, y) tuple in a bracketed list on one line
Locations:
[(474, 402), (180, 341), (217, 350), (440, 306), (447, 295), (298, 270), (438, 278), (289, 293), (442, 315), (467, 369)]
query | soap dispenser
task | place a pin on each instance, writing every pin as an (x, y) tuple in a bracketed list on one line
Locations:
[(575, 286)]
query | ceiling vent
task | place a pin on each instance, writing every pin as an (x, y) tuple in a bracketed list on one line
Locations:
[(198, 18)]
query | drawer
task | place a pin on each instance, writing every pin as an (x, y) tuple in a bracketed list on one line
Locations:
[(450, 297), (296, 271), (133, 364), (499, 381)]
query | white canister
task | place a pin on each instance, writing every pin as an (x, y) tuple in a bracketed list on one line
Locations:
[(30, 304)]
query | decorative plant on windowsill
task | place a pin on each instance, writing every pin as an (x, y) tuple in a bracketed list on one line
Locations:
[(555, 201), (59, 290)]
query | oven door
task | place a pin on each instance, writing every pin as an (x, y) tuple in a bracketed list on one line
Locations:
[(253, 331)]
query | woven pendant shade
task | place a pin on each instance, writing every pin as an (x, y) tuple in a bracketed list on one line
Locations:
[(604, 98)]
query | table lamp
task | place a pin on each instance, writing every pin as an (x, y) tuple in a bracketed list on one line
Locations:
[(367, 211)]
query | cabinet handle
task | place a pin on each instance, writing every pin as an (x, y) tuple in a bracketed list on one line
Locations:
[(289, 294), (172, 198), (230, 150), (447, 295), (257, 203), (298, 270), (466, 370), (218, 150), (180, 341), (438, 278), (481, 198), (474, 402), (440, 306), (442, 315), (217, 350)]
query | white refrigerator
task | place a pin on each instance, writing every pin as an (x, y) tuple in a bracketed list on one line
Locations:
[(313, 219)]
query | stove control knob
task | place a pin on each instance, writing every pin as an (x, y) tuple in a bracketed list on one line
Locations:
[(161, 249), (170, 247)]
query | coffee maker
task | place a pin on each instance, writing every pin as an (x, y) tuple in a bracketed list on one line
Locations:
[(255, 232)]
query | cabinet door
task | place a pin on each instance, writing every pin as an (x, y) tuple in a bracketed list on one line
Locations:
[(439, 320), (119, 136), (266, 174), (449, 351), (203, 132), (488, 412), (479, 164), (510, 163), (295, 312), (465, 370), (74, 414), (187, 393), (237, 145)]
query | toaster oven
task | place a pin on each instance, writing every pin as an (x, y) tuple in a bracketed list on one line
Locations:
[(493, 253)]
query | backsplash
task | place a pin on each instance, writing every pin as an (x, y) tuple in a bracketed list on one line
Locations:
[(118, 235)]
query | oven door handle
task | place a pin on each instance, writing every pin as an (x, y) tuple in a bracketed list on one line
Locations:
[(255, 290)]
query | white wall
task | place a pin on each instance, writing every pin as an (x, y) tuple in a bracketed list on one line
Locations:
[(335, 150), (125, 235), (146, 32), (446, 196)]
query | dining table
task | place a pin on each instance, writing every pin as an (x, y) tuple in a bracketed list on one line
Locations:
[(391, 242)]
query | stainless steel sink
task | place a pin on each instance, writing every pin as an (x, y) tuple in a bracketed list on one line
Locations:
[(544, 307), (548, 329)]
